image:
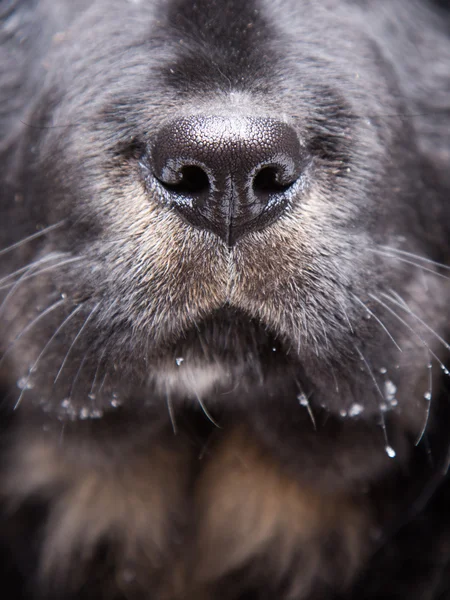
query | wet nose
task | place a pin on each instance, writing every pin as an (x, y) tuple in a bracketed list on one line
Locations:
[(228, 175)]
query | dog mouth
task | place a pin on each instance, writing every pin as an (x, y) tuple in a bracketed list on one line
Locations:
[(228, 352), (227, 335)]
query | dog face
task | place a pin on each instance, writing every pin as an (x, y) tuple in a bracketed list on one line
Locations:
[(292, 300), (230, 207)]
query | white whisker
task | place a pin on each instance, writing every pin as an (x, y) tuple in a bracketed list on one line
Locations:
[(29, 266), (30, 238), (378, 320), (403, 305), (408, 326), (207, 414), (76, 338), (30, 325), (44, 350), (45, 270), (410, 262), (13, 289), (303, 400), (171, 413), (97, 370), (417, 257), (428, 397), (388, 448), (77, 374)]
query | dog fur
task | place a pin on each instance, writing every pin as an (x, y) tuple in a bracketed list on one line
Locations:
[(188, 420)]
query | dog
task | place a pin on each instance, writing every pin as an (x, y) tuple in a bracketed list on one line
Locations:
[(225, 240)]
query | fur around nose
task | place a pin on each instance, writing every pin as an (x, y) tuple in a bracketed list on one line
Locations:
[(229, 175)]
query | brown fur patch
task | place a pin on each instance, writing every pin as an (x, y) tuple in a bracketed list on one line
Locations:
[(127, 495), (178, 529), (251, 511)]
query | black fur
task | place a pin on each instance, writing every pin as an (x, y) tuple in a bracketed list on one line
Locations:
[(316, 334)]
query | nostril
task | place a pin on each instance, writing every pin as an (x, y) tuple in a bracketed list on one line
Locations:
[(191, 180), (266, 183)]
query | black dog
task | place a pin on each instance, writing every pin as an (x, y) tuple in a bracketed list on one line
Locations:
[(224, 232)]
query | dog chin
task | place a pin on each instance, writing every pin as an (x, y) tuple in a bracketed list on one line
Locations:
[(192, 381)]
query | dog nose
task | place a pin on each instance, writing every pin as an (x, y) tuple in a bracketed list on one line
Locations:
[(228, 175)]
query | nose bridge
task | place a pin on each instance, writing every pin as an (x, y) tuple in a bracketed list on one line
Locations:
[(220, 144), (227, 174)]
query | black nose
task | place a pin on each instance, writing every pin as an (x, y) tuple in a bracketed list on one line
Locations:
[(230, 175)]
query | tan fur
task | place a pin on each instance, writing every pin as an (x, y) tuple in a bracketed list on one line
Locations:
[(130, 498), (249, 509), (240, 509)]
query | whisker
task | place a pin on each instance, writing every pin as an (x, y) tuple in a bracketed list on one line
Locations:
[(410, 262), (303, 400), (97, 370), (207, 414), (102, 383), (44, 350), (76, 338), (378, 320), (408, 326), (389, 450), (29, 266), (171, 413), (30, 325), (428, 396), (403, 305), (60, 264), (13, 289), (336, 385), (417, 257), (77, 374), (30, 238)]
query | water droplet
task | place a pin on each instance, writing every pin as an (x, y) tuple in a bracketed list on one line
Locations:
[(355, 410), (389, 389), (390, 452), (179, 361), (66, 403), (115, 401), (427, 396), (91, 396), (84, 413), (384, 407), (383, 370), (96, 414), (303, 400), (429, 366), (63, 296), (24, 383), (274, 349), (393, 402), (343, 413)]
